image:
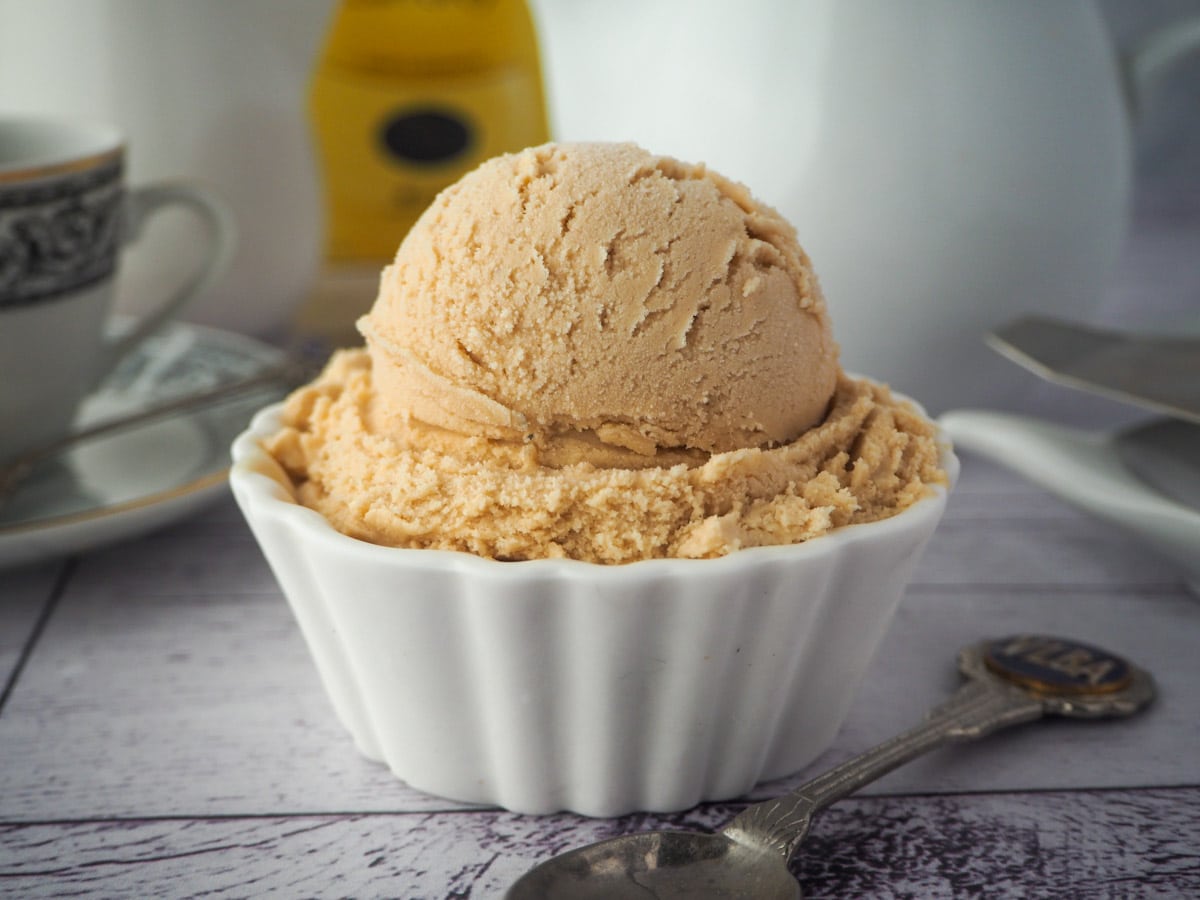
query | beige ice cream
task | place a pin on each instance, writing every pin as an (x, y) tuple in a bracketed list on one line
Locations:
[(584, 350), (596, 290)]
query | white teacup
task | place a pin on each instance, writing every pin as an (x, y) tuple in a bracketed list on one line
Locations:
[(65, 214)]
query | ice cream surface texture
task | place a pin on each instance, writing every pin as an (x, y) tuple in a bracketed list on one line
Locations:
[(597, 290), (588, 351)]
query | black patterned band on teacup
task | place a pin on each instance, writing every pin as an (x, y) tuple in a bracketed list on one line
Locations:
[(60, 233)]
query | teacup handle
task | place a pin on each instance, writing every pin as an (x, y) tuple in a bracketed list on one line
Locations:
[(140, 203)]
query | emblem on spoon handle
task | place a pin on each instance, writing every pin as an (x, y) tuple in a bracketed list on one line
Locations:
[(1009, 681)]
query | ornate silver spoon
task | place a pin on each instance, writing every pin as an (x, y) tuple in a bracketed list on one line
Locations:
[(1009, 681)]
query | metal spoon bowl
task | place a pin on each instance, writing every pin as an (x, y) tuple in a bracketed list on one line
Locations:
[(1009, 681), (663, 864)]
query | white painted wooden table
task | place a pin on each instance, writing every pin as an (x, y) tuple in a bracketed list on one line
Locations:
[(163, 733)]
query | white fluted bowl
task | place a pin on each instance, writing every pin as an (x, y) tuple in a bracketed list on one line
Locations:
[(552, 685)]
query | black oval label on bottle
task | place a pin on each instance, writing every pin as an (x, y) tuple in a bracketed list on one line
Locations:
[(1050, 665), (426, 135)]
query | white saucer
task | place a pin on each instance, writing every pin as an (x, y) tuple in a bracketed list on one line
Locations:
[(137, 480), (1148, 493)]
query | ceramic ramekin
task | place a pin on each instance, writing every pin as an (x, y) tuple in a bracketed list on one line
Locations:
[(559, 685)]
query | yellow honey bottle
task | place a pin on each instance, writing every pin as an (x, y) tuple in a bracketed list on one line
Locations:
[(407, 96)]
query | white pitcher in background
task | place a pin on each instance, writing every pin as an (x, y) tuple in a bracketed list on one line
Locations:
[(210, 91), (948, 165)]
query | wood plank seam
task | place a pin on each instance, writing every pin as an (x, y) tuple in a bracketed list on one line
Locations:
[(56, 593)]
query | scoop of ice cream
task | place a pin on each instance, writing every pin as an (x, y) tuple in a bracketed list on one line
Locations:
[(601, 296), (586, 351)]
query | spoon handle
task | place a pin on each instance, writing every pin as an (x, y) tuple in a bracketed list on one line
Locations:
[(287, 374), (982, 705), (1159, 373)]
